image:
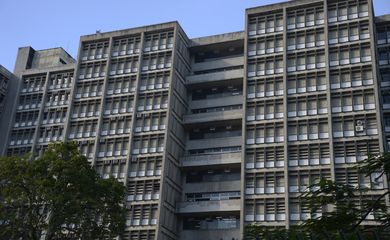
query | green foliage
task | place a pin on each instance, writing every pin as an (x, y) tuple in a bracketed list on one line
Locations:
[(59, 196), (375, 163), (255, 231), (340, 205), (343, 209), (379, 163)]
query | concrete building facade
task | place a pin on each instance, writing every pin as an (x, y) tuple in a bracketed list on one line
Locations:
[(214, 133)]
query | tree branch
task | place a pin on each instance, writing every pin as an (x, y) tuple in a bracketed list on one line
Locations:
[(369, 210)]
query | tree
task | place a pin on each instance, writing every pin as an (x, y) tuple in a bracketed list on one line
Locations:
[(345, 207), (348, 205), (58, 196), (338, 205)]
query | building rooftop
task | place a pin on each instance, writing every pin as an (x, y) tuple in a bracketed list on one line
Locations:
[(219, 38), (382, 18)]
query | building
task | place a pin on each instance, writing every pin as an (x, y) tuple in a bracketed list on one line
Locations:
[(4, 79), (214, 133), (8, 83)]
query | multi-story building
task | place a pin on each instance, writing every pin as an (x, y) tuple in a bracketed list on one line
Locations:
[(8, 84), (212, 134), (383, 52), (41, 101), (312, 104), (5, 76)]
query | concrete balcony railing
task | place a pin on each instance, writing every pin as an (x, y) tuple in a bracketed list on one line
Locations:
[(222, 186), (210, 234), (214, 143), (213, 116), (215, 76), (211, 159), (218, 63), (210, 206), (217, 102)]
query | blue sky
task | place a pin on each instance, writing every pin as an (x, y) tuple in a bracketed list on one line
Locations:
[(52, 23)]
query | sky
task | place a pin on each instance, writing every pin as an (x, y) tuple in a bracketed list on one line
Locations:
[(60, 23)]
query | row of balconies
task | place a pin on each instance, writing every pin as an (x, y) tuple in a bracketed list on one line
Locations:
[(147, 150), (54, 103), (85, 134), (346, 60), (334, 39), (309, 162), (383, 37), (217, 64), (143, 173), (149, 107), (126, 46), (49, 139), (306, 63), (232, 205), (21, 141), (94, 51), (294, 216), (26, 105), (312, 136), (143, 197), (141, 222), (159, 43), (114, 111), (152, 65), (215, 76), (116, 153), (59, 119), (59, 83), (91, 113), (302, 20), (351, 108), (384, 58), (213, 116), (294, 44), (270, 217), (347, 13), (211, 159), (25, 123), (150, 128), (352, 83), (262, 26), (30, 88)]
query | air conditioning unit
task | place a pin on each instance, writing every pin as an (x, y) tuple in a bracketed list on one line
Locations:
[(147, 114), (359, 126), (139, 115), (359, 123), (134, 159)]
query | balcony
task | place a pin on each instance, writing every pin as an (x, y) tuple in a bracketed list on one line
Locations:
[(210, 234), (210, 206), (213, 116), (215, 76), (211, 159), (221, 186), (214, 143), (219, 63), (217, 102)]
